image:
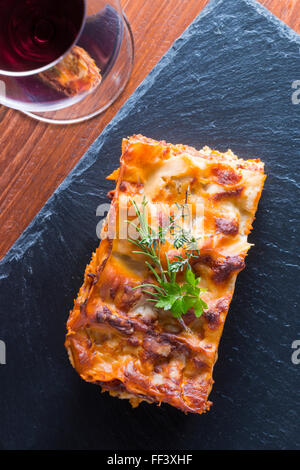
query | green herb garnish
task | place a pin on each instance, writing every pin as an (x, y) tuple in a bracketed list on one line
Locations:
[(168, 294)]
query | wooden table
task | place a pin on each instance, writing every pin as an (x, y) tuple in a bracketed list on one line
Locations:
[(36, 157)]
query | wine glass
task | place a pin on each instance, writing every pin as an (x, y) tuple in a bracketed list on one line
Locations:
[(63, 61)]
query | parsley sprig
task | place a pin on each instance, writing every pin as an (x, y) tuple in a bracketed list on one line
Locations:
[(167, 293)]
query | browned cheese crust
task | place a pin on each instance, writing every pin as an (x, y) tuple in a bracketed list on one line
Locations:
[(116, 338), (76, 73)]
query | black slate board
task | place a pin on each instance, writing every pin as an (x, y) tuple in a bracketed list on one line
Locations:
[(226, 82)]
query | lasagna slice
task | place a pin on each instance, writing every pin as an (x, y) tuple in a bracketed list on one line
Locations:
[(76, 73), (117, 338)]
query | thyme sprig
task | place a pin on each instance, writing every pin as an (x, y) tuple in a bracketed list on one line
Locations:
[(167, 293)]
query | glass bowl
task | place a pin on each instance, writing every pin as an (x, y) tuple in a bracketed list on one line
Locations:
[(86, 79)]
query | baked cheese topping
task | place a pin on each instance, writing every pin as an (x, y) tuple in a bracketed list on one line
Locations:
[(116, 338)]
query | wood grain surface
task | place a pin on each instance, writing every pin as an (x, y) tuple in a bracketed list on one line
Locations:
[(36, 157)]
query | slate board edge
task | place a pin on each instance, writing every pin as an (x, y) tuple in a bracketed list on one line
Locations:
[(31, 233)]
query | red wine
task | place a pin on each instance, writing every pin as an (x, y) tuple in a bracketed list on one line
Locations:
[(34, 33)]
